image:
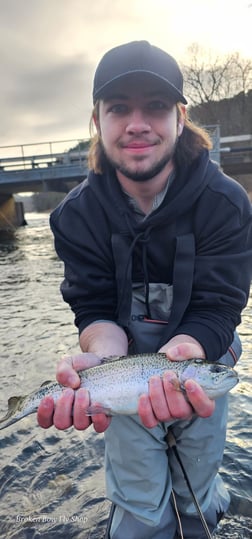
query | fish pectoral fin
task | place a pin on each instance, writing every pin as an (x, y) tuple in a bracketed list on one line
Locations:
[(95, 409)]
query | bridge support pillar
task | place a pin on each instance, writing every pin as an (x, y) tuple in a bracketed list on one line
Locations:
[(11, 214)]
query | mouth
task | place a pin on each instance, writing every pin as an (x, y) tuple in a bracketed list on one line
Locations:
[(138, 146)]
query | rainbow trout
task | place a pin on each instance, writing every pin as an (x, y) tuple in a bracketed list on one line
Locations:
[(117, 383)]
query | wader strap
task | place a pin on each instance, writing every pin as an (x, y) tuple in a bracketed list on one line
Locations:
[(123, 271), (182, 283)]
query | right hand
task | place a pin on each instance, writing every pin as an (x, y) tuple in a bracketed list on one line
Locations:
[(70, 408)]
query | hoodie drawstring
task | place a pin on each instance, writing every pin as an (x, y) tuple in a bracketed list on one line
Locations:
[(142, 238)]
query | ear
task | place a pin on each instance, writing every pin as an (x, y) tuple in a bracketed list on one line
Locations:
[(180, 128), (181, 121)]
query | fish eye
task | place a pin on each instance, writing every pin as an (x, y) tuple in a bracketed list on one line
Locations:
[(217, 368)]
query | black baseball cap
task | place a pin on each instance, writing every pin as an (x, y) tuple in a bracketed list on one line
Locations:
[(138, 57)]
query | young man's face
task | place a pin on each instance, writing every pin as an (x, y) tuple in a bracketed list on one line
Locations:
[(138, 125)]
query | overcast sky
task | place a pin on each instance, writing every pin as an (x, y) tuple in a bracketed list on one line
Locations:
[(49, 50)]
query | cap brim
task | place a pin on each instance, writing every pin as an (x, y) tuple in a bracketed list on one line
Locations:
[(103, 91)]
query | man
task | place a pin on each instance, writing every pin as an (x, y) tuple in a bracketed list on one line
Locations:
[(157, 252)]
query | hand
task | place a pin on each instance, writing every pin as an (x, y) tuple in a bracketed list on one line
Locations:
[(165, 402), (70, 409)]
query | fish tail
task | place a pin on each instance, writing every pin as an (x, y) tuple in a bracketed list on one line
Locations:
[(15, 411)]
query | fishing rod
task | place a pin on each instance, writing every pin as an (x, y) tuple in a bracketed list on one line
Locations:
[(171, 442)]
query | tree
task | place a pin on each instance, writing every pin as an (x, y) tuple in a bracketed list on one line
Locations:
[(211, 78)]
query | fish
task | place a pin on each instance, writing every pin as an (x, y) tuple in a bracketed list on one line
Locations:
[(116, 384)]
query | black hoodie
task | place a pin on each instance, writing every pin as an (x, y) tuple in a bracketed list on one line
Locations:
[(199, 240)]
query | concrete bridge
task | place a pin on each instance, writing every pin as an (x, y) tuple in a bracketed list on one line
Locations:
[(59, 165), (47, 166)]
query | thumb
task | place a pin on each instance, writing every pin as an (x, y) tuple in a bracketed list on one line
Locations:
[(185, 350)]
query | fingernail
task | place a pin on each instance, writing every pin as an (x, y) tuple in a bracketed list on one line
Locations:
[(174, 353), (155, 380), (68, 392), (47, 402), (190, 386), (74, 380), (169, 376), (172, 379)]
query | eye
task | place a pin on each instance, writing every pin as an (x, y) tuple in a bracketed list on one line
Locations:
[(157, 105), (118, 108)]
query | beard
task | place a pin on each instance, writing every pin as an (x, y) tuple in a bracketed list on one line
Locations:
[(142, 176)]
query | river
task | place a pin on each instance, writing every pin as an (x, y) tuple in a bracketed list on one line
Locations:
[(52, 482)]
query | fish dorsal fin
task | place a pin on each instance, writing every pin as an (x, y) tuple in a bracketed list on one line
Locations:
[(46, 383), (112, 359)]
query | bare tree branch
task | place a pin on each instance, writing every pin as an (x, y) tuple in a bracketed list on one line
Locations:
[(210, 78)]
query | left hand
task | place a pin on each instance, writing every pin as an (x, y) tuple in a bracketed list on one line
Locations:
[(165, 402), (71, 406)]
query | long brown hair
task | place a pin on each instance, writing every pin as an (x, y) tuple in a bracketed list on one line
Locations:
[(190, 143)]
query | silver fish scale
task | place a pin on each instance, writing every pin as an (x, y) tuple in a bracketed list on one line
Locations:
[(116, 384)]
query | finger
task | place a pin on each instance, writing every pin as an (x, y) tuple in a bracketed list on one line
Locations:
[(68, 365), (203, 406), (85, 360), (81, 402), (183, 351), (66, 375), (158, 399), (63, 418), (45, 412), (146, 413), (101, 422), (178, 405)]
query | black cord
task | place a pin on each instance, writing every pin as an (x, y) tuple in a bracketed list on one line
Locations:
[(110, 518), (171, 441)]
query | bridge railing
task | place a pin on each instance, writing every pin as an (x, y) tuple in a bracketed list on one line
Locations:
[(70, 152), (44, 154)]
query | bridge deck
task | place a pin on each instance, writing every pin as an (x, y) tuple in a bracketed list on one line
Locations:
[(55, 170)]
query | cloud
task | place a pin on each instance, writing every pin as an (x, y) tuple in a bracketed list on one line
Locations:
[(55, 95), (49, 50)]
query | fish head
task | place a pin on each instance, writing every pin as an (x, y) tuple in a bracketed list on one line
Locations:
[(214, 378)]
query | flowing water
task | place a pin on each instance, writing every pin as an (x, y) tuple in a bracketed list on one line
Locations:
[(52, 482)]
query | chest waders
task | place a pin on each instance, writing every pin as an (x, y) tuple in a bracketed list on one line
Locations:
[(182, 286), (153, 338), (171, 443)]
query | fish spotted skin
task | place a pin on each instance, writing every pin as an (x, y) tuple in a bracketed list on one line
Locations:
[(117, 383)]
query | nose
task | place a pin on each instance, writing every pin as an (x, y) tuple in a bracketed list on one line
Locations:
[(137, 122)]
